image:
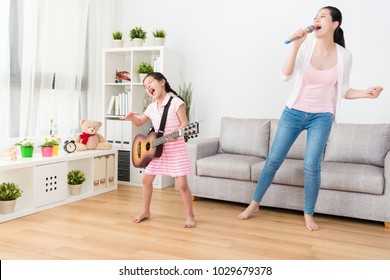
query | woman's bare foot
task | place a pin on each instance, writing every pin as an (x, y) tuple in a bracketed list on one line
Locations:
[(310, 223), (249, 211), (142, 216), (190, 223)]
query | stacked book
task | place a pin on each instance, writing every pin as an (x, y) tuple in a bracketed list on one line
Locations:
[(119, 104)]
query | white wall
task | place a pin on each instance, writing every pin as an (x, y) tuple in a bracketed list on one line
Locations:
[(234, 51)]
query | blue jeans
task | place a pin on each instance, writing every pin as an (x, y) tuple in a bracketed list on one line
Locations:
[(291, 124)]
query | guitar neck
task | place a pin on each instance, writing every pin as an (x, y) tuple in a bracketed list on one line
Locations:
[(161, 140)]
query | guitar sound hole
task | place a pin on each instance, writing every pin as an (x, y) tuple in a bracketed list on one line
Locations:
[(148, 146)]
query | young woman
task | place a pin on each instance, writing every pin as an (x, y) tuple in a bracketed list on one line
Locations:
[(321, 71), (174, 160)]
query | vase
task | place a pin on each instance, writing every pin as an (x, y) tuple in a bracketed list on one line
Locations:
[(7, 206), (55, 150), (47, 151), (117, 43), (75, 189), (142, 77), (137, 42), (26, 152), (159, 41)]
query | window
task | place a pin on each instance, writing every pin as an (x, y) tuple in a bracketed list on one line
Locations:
[(47, 67)]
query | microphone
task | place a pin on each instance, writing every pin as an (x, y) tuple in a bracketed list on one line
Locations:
[(308, 29)]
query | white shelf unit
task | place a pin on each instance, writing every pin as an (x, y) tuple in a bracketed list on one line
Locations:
[(43, 180), (121, 133)]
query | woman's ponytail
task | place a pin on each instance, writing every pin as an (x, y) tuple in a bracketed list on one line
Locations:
[(338, 37)]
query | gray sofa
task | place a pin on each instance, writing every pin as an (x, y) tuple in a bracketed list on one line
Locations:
[(355, 174)]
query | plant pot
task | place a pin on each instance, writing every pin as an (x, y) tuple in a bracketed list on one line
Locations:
[(159, 41), (7, 206), (75, 189), (117, 43), (137, 42), (55, 150), (27, 152), (47, 151), (142, 77)]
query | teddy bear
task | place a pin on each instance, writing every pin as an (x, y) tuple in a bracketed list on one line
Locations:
[(11, 152), (90, 139)]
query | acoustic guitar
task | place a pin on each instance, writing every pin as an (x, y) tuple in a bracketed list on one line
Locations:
[(147, 147)]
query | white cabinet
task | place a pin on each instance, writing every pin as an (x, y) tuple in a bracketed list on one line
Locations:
[(121, 98), (43, 180)]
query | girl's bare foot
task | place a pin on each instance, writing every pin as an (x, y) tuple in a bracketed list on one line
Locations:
[(190, 223), (249, 211), (142, 216), (310, 223)]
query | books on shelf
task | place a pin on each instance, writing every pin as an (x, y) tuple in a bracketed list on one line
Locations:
[(110, 105), (119, 104)]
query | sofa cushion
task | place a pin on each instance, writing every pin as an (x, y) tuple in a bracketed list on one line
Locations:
[(228, 166), (244, 136), (352, 177), (297, 150), (290, 173), (334, 176), (358, 143)]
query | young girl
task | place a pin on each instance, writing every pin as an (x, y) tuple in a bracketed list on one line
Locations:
[(174, 160), (322, 71)]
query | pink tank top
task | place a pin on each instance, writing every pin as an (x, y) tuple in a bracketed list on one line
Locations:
[(318, 92)]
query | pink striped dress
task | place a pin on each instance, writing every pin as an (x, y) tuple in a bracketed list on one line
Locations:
[(174, 160)]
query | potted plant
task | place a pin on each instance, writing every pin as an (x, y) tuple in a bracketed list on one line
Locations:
[(159, 37), (47, 146), (75, 180), (56, 141), (117, 39), (9, 192), (144, 68), (26, 147), (185, 91), (137, 36)]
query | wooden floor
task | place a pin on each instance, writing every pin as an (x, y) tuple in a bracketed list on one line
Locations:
[(101, 228)]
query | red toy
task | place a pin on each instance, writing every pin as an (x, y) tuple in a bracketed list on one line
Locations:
[(121, 76)]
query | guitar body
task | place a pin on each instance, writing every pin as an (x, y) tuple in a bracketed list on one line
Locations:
[(145, 148), (143, 151)]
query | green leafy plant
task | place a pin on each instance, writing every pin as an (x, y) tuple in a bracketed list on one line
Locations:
[(25, 142), (144, 68), (137, 32), (9, 191), (185, 91), (50, 141), (117, 35), (76, 177), (159, 33), (56, 139)]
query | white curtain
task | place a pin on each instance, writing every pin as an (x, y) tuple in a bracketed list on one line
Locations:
[(100, 36), (50, 86), (28, 17), (61, 58), (47, 65), (4, 70)]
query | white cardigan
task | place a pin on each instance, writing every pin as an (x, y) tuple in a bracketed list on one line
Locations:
[(344, 64)]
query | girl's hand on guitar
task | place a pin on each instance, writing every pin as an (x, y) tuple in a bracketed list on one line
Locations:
[(171, 139), (129, 116)]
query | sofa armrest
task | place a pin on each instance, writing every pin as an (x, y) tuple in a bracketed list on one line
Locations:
[(201, 149), (387, 188)]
